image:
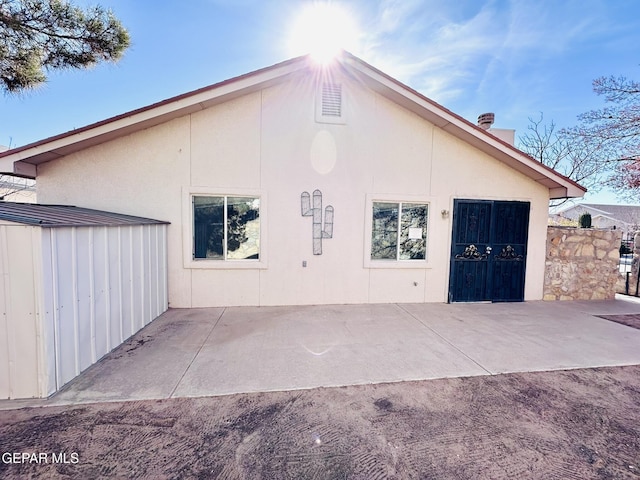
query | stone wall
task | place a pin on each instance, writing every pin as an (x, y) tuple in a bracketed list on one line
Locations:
[(582, 263)]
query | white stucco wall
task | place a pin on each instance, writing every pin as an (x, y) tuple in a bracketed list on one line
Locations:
[(141, 173), (268, 143)]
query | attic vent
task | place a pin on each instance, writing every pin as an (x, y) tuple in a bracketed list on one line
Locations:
[(331, 100), (330, 103)]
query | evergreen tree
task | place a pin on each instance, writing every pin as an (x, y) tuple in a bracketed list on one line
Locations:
[(40, 35)]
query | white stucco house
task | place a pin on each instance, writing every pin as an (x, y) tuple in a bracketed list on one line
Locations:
[(309, 184)]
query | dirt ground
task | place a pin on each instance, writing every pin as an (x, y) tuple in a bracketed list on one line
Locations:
[(628, 320), (576, 424)]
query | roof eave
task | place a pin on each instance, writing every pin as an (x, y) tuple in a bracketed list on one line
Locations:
[(22, 161), (559, 185)]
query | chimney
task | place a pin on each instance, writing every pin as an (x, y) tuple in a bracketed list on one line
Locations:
[(486, 120)]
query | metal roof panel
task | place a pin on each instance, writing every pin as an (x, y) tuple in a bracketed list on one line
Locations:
[(52, 216)]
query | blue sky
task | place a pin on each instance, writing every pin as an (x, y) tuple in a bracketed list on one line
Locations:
[(517, 58)]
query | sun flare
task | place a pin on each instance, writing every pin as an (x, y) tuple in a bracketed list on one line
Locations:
[(323, 30)]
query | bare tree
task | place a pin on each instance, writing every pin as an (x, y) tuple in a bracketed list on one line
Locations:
[(573, 157), (616, 130)]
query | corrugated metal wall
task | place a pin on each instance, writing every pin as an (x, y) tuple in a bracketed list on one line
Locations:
[(20, 294), (70, 295), (101, 285)]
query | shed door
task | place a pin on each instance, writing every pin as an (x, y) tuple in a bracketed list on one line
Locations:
[(488, 251)]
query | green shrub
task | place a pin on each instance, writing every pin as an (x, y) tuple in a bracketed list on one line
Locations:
[(585, 220)]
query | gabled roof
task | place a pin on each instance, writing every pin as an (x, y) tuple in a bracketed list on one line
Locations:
[(618, 211), (53, 216), (23, 160), (629, 214)]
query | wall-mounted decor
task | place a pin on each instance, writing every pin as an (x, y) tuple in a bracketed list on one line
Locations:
[(320, 231)]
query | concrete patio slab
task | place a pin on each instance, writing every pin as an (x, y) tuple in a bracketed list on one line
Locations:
[(258, 349), (535, 336), (150, 364), (218, 351)]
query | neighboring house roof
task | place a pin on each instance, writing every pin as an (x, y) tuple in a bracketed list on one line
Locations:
[(52, 216), (629, 214), (625, 213), (24, 160)]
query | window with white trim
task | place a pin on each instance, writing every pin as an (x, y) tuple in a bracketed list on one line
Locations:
[(399, 231), (226, 227)]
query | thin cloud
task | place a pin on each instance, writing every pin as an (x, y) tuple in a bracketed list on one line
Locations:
[(393, 14), (444, 51), (430, 52)]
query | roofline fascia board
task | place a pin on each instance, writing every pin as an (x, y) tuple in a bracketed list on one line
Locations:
[(24, 169), (584, 206), (166, 110), (608, 217), (593, 208), (565, 192), (556, 193), (142, 118)]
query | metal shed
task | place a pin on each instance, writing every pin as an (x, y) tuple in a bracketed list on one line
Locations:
[(75, 283)]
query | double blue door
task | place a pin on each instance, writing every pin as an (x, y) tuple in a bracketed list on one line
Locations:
[(488, 251)]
